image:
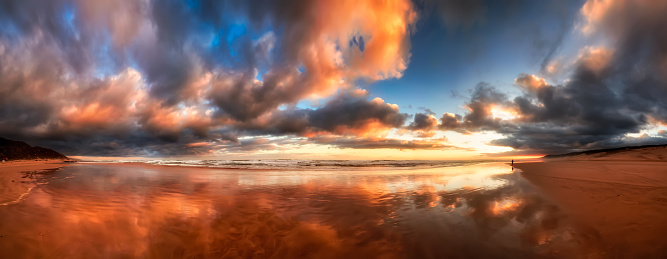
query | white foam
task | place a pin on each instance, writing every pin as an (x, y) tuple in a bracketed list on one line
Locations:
[(300, 164)]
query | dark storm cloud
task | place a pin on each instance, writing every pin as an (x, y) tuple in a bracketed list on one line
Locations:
[(662, 133), (221, 146), (168, 70), (479, 118), (450, 121), (353, 112), (243, 99), (640, 55), (581, 114), (423, 122), (347, 113), (483, 98), (51, 21), (145, 144), (611, 92)]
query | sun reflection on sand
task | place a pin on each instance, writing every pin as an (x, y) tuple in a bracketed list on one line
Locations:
[(504, 206), (133, 211)]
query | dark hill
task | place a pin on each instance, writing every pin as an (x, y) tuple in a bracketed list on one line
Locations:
[(607, 152), (18, 150)]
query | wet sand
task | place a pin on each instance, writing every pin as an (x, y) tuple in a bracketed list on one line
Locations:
[(624, 203), (18, 178), (478, 211)]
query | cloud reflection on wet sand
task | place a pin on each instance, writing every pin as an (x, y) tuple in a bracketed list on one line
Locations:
[(164, 212)]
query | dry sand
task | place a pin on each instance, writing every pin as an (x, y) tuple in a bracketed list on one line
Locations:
[(25, 165), (624, 202), (18, 178)]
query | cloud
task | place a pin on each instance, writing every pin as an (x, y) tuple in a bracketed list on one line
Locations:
[(607, 95), (586, 112), (530, 82), (348, 113), (662, 133), (423, 122), (423, 125), (153, 77), (314, 57), (450, 121), (612, 90), (141, 76), (383, 143), (426, 110), (484, 98), (581, 114)]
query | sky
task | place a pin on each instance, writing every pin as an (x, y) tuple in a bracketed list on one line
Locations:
[(333, 79)]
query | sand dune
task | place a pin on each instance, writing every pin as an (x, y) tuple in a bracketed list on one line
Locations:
[(649, 153)]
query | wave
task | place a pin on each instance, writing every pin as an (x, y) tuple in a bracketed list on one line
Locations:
[(298, 164)]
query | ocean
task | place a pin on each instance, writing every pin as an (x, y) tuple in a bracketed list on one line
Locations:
[(299, 164)]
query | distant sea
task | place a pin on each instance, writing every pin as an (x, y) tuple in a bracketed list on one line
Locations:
[(292, 164)]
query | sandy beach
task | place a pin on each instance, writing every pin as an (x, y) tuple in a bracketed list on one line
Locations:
[(18, 178), (27, 165), (624, 203), (563, 209), (333, 129)]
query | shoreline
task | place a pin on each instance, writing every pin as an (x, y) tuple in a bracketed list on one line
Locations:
[(27, 165), (17, 177), (300, 168), (147, 165)]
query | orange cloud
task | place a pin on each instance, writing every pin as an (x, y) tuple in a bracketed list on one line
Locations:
[(610, 14), (594, 11), (504, 113), (386, 26), (383, 143), (111, 104), (530, 82), (367, 128), (595, 59), (92, 114), (199, 144), (330, 26), (171, 120)]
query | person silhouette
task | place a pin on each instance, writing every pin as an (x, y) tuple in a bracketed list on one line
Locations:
[(512, 164)]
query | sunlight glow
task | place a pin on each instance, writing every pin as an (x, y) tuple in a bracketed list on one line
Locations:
[(504, 113), (504, 206)]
